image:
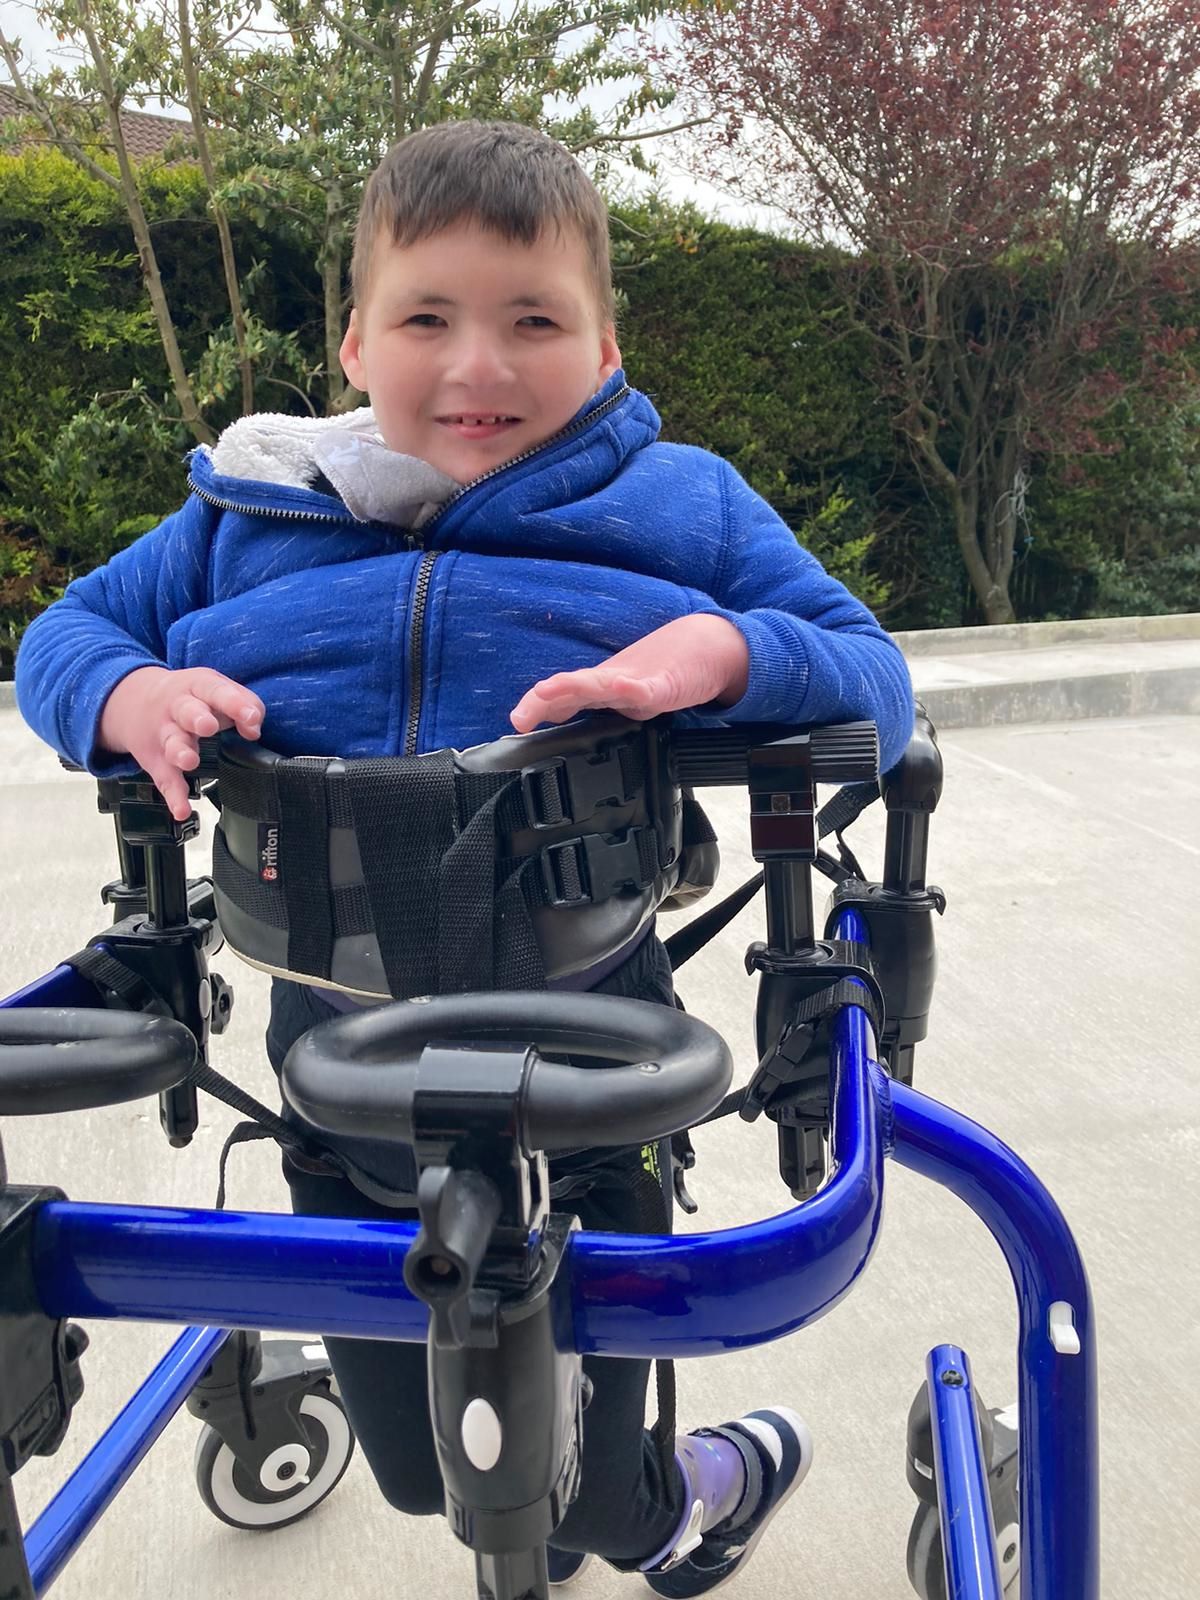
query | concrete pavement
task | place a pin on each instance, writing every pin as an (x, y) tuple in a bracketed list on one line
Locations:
[(1063, 1020)]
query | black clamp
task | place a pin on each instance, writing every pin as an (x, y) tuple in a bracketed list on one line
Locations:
[(40, 1377), (482, 1196), (840, 975), (570, 788)]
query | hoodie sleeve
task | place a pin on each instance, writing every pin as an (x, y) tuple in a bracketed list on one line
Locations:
[(817, 655), (106, 625)]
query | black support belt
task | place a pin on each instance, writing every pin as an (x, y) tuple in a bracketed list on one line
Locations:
[(441, 888)]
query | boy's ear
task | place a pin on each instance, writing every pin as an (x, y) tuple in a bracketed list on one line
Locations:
[(351, 355), (610, 355)]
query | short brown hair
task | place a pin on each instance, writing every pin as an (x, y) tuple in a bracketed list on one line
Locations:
[(510, 179)]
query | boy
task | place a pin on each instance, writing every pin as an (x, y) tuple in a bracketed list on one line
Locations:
[(500, 542)]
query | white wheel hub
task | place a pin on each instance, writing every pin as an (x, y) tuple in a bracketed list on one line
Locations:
[(285, 1468)]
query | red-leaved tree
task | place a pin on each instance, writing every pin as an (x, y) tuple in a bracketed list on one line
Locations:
[(1010, 192)]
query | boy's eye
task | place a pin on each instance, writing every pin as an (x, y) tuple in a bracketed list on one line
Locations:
[(423, 319), (536, 322)]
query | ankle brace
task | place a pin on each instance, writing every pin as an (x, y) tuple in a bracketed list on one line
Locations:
[(706, 1493)]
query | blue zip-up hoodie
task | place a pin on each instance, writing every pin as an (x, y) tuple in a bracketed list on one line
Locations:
[(363, 639)]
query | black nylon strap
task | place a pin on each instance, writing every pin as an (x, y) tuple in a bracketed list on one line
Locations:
[(846, 806), (265, 901), (682, 946), (663, 1431), (304, 834), (116, 979), (824, 1003), (469, 926), (248, 791), (405, 821), (591, 867), (845, 992), (262, 901), (694, 823), (519, 963)]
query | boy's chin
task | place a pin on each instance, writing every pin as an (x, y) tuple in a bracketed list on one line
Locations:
[(467, 461)]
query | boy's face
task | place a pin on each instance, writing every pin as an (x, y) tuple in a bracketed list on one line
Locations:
[(474, 348)]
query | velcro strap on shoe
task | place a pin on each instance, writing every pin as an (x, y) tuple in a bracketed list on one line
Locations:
[(753, 1462)]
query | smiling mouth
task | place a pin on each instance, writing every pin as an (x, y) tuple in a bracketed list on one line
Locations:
[(475, 419)]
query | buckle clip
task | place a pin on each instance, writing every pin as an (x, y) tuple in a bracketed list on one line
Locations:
[(603, 865), (573, 786)]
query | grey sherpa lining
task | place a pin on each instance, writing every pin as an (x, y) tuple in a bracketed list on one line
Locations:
[(272, 447)]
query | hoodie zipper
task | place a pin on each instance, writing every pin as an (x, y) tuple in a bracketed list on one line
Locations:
[(410, 539), (416, 626), (416, 648)]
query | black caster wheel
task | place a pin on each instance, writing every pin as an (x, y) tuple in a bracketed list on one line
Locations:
[(926, 1571), (292, 1481)]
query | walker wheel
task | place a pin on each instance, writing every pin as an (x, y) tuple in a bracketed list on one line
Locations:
[(293, 1480), (926, 1571)]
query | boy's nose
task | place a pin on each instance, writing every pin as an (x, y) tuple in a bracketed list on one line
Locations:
[(479, 362)]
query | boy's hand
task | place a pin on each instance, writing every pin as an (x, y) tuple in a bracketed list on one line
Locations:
[(158, 717), (693, 661)]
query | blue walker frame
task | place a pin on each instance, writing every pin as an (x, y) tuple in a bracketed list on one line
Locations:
[(644, 1296)]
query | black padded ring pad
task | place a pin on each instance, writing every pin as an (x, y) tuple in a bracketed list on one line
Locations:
[(661, 1069), (54, 1059)]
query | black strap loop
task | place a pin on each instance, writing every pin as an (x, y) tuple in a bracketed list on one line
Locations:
[(304, 825)]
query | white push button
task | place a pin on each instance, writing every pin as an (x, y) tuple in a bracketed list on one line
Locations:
[(481, 1435), (1064, 1335)]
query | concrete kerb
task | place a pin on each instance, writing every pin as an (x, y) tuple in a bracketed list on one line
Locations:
[(1045, 635), (1057, 671)]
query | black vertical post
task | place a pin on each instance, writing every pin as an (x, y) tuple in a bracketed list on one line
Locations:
[(15, 1582)]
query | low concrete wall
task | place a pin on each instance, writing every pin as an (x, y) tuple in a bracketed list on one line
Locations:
[(1043, 635), (1173, 692)]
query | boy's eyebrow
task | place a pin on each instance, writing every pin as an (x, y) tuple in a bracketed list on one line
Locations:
[(432, 299)]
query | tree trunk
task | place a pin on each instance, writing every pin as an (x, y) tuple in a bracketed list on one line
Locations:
[(991, 589), (330, 263), (228, 260), (151, 276)]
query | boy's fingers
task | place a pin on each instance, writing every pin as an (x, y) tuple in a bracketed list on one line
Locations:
[(245, 711), (171, 785), (180, 750), (196, 716), (594, 689)]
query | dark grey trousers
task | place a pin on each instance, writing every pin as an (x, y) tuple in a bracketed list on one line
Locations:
[(630, 1502)]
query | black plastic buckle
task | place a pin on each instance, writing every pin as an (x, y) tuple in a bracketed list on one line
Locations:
[(604, 864), (582, 784)]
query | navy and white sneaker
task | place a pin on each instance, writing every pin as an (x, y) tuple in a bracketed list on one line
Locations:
[(777, 1448), (564, 1566)]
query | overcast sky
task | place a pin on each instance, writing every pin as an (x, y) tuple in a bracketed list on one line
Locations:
[(17, 19)]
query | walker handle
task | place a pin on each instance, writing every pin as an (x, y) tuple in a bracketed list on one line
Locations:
[(846, 752), (358, 1074), (53, 1059)]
